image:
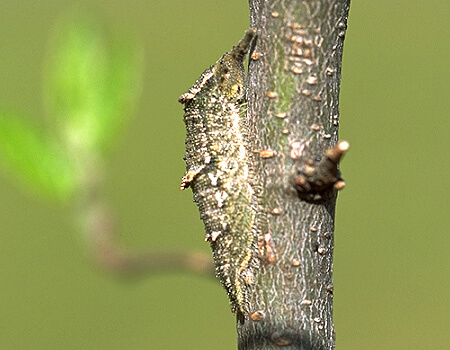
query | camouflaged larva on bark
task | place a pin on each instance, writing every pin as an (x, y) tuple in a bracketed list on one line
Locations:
[(220, 171)]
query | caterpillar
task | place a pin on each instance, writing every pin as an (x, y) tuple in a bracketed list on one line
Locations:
[(219, 169)]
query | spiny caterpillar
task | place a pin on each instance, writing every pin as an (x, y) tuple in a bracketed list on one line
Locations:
[(219, 169)]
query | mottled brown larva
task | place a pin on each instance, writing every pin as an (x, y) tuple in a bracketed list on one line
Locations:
[(219, 169)]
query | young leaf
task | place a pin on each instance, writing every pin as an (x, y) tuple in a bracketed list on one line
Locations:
[(34, 158), (90, 85), (123, 85)]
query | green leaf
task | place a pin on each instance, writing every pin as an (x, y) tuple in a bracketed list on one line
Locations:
[(122, 89), (34, 158), (91, 86)]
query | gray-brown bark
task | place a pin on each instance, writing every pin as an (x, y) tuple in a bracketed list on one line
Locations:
[(293, 92)]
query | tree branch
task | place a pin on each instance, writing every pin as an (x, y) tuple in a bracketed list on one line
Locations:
[(293, 92), (105, 252)]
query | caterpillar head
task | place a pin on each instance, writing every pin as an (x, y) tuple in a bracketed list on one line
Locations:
[(229, 71)]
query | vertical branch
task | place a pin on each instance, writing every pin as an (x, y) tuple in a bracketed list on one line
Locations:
[(293, 92)]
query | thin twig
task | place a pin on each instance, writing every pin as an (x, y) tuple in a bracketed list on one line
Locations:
[(106, 253)]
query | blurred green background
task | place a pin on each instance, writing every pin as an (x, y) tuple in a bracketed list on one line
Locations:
[(392, 265)]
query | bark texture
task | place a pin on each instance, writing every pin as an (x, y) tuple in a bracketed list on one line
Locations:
[(294, 78)]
